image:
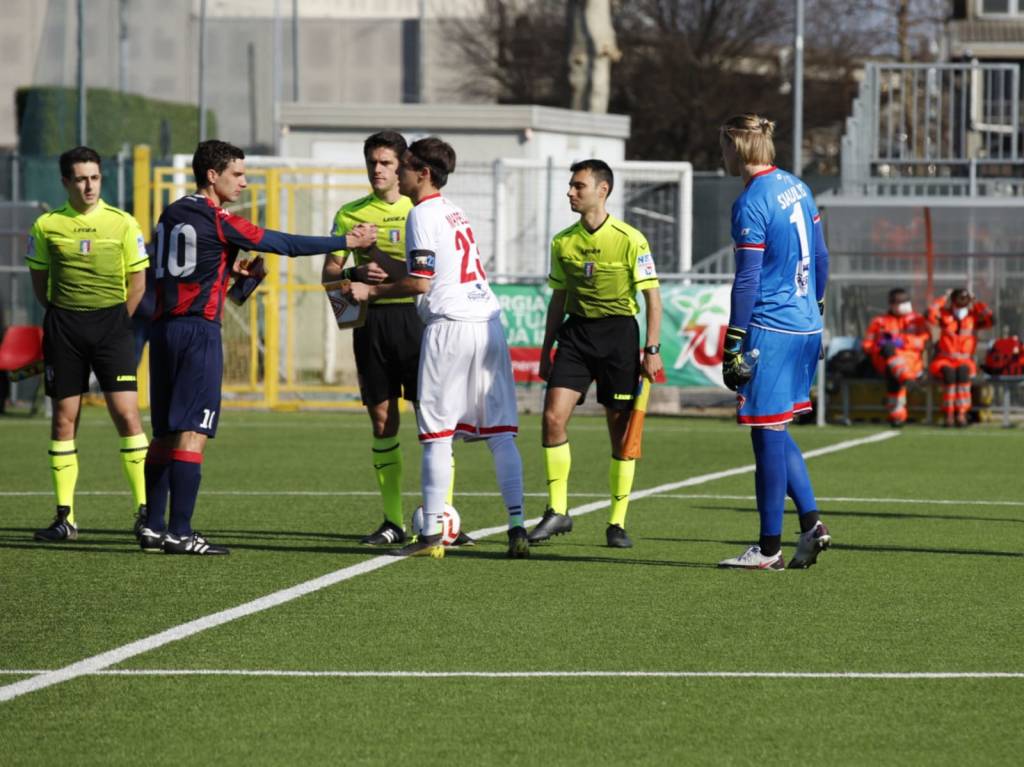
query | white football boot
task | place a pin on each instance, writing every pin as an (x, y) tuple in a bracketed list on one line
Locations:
[(753, 559), (811, 543)]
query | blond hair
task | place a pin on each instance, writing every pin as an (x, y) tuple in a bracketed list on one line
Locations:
[(751, 134)]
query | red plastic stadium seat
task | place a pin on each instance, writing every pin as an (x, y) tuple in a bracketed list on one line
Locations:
[(21, 351)]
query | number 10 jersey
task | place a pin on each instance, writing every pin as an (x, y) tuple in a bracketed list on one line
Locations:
[(440, 246)]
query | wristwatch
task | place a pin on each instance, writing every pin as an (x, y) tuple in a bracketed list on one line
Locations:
[(652, 349)]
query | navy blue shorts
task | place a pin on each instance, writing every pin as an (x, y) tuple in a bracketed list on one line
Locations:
[(781, 386), (186, 365)]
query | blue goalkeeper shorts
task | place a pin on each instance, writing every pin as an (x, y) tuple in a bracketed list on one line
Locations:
[(781, 385)]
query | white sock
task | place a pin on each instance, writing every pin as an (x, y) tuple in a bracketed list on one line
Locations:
[(508, 466), (435, 478)]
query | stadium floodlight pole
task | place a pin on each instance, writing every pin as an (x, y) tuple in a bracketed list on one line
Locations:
[(295, 50), (81, 73), (122, 50), (202, 70), (798, 88), (276, 76)]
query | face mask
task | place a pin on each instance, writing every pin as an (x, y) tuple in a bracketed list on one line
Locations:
[(960, 312), (904, 307)]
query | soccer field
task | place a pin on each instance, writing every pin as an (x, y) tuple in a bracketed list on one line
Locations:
[(905, 644)]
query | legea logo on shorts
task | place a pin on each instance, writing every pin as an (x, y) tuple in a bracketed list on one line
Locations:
[(125, 378)]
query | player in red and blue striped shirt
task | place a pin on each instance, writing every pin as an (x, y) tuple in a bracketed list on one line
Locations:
[(197, 245), (776, 309)]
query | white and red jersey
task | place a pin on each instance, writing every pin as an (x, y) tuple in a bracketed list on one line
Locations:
[(440, 246)]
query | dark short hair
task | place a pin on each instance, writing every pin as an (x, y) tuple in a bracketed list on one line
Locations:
[(960, 294), (213, 155), (897, 292), (599, 169), (385, 139), (73, 156), (435, 155)]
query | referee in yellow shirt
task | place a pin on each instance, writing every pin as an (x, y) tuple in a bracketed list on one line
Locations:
[(88, 262), (597, 266)]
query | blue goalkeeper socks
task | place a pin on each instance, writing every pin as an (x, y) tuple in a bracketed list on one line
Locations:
[(770, 480), (798, 482)]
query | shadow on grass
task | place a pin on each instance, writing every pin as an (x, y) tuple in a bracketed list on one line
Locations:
[(858, 547), (117, 541), (542, 553), (21, 538), (263, 534), (875, 514)]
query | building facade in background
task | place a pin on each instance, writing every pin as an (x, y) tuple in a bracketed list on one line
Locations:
[(357, 51)]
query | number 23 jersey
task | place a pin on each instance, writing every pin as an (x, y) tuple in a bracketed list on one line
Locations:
[(440, 246)]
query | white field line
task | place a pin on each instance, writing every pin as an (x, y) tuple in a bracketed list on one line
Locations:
[(492, 494), (545, 674), (120, 654)]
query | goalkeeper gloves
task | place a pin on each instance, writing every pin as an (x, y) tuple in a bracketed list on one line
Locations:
[(735, 371)]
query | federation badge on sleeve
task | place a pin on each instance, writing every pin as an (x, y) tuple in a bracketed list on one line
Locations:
[(645, 265), (31, 250), (141, 245)]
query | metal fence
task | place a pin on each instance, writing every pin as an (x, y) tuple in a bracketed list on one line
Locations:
[(18, 305), (935, 129), (926, 246), (516, 207)]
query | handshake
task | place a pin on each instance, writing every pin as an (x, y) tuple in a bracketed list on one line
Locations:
[(361, 236)]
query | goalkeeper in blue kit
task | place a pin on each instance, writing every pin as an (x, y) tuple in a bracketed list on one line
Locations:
[(775, 333)]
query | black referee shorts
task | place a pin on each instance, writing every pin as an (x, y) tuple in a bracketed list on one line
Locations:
[(605, 349), (101, 340), (387, 350)]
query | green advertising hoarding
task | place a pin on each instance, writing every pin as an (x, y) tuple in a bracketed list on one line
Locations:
[(694, 318)]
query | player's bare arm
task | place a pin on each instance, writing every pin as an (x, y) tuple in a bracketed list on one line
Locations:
[(40, 280), (652, 362), (136, 289), (382, 264), (407, 286), (334, 270), (555, 316), (332, 267)]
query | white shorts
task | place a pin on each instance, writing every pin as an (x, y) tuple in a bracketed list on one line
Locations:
[(466, 389)]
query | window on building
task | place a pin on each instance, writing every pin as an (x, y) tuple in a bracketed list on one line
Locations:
[(999, 7)]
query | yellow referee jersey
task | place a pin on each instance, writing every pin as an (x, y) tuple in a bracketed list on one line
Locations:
[(388, 217), (601, 271), (89, 256)]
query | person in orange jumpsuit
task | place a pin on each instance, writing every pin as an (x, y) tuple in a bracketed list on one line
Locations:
[(895, 341), (958, 317)]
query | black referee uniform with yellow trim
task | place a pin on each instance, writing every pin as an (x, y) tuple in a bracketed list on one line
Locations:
[(600, 272)]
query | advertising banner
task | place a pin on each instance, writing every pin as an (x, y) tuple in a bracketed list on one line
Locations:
[(694, 319)]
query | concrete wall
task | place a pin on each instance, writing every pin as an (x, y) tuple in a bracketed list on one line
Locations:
[(348, 52)]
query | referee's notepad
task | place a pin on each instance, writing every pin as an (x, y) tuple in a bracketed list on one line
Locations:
[(347, 311)]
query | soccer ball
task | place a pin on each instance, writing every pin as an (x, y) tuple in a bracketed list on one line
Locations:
[(451, 524)]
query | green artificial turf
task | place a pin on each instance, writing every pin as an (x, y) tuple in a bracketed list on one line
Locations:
[(913, 584)]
